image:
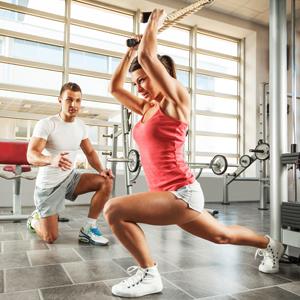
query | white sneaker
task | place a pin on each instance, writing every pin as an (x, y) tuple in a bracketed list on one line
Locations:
[(144, 282), (271, 256), (92, 235)]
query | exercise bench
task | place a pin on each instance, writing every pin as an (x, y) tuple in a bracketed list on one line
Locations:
[(13, 157)]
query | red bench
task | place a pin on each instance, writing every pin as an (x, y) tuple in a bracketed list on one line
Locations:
[(13, 157)]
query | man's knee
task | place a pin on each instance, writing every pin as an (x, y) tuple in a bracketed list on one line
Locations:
[(105, 185), (50, 238)]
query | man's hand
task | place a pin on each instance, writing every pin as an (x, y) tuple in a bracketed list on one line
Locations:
[(61, 161), (107, 173)]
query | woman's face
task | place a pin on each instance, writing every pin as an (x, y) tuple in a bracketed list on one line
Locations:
[(144, 85)]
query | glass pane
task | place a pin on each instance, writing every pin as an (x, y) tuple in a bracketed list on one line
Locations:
[(216, 104), (215, 44), (51, 6), (172, 34), (21, 128), (98, 39), (32, 77), (93, 134), (101, 16), (216, 84), (32, 51), (183, 77), (181, 57), (216, 144), (216, 64), (93, 62), (23, 23), (13, 96), (94, 86), (216, 124), (99, 110)]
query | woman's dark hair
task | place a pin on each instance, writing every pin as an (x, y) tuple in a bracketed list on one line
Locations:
[(166, 60), (70, 86)]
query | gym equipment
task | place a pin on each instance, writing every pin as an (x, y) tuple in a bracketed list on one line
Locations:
[(13, 155), (172, 18), (219, 164), (261, 153), (134, 160), (245, 161)]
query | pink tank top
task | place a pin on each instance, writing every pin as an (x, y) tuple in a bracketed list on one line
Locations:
[(161, 144)]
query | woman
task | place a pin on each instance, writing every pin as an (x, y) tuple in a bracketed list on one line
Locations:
[(174, 197)]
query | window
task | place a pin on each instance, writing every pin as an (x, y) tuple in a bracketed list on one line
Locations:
[(23, 23), (217, 97), (93, 62), (32, 51), (38, 56), (51, 6), (101, 16)]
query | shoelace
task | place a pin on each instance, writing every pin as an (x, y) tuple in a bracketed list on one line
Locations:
[(265, 253), (136, 278)]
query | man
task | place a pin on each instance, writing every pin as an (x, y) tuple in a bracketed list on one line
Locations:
[(53, 148)]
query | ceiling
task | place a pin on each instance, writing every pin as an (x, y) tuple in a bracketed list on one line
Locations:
[(251, 10)]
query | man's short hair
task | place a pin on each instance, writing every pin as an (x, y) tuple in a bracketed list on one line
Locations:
[(70, 86)]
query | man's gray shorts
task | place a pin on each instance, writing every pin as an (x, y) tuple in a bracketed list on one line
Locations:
[(51, 201)]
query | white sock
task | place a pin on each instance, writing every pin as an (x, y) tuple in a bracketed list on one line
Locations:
[(33, 223), (91, 222)]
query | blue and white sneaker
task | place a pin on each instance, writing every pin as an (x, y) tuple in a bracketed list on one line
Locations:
[(92, 235)]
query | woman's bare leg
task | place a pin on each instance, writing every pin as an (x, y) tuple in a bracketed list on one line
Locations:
[(207, 227), (162, 208), (156, 208)]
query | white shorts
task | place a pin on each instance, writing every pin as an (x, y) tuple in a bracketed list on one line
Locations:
[(191, 194)]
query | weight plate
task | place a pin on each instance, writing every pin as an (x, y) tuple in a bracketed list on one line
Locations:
[(219, 164), (262, 151), (245, 161), (134, 160)]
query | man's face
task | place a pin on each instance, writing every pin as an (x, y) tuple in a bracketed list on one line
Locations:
[(70, 103)]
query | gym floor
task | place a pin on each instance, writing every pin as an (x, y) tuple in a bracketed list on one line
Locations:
[(191, 268)]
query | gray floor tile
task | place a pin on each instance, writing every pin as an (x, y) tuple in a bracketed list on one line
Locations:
[(249, 276), (204, 282), (28, 295), (95, 252), (290, 271), (1, 282), (35, 277), (13, 260), (10, 236), (170, 292), (19, 246), (293, 287), (163, 266), (89, 291), (47, 257), (272, 293), (94, 270), (222, 297)]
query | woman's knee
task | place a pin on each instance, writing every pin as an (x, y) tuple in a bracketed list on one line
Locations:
[(111, 210), (222, 237)]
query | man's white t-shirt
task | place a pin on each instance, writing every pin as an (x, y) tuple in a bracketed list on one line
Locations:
[(61, 136)]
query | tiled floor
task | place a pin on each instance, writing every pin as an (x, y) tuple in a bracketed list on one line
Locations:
[(191, 268)]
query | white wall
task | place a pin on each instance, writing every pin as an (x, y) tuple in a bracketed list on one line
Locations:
[(212, 189)]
